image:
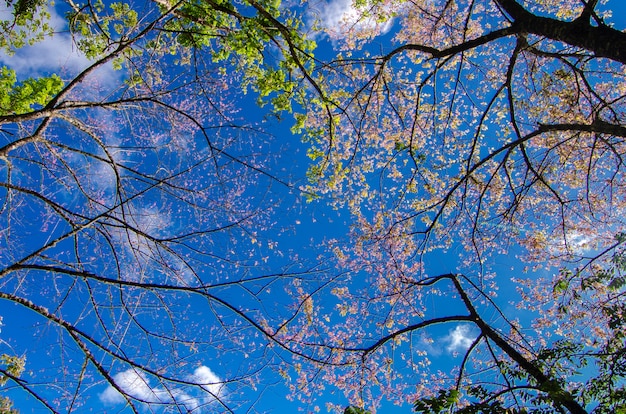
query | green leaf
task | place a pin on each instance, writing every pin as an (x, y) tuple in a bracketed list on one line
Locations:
[(435, 405), (561, 286), (355, 410), (13, 365), (21, 98)]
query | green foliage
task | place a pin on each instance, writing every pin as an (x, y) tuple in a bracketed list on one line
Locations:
[(609, 386), (400, 146), (355, 410), (561, 286), (10, 366), (24, 10), (239, 39), (484, 404), (27, 25), (564, 358), (6, 406), (435, 405), (123, 17), (20, 98), (100, 27)]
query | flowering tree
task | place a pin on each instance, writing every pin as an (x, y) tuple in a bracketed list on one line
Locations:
[(138, 205), (135, 200), (470, 131)]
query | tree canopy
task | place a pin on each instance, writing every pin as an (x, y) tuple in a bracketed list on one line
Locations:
[(136, 198), (481, 130), (474, 149)]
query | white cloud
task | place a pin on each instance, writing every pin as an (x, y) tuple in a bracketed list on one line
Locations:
[(57, 53), (209, 381), (577, 243), (135, 384), (459, 339), (53, 53), (131, 382), (339, 17)]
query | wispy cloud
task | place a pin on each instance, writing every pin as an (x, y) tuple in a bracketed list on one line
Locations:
[(57, 53), (131, 382), (340, 17), (459, 339), (427, 345), (577, 243), (135, 384), (204, 377)]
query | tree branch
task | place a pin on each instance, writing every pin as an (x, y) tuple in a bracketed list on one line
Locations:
[(602, 40)]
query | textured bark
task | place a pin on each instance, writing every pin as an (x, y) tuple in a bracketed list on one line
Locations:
[(602, 41), (558, 394)]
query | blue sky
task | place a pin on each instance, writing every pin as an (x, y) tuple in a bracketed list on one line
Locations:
[(299, 229), (300, 225)]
